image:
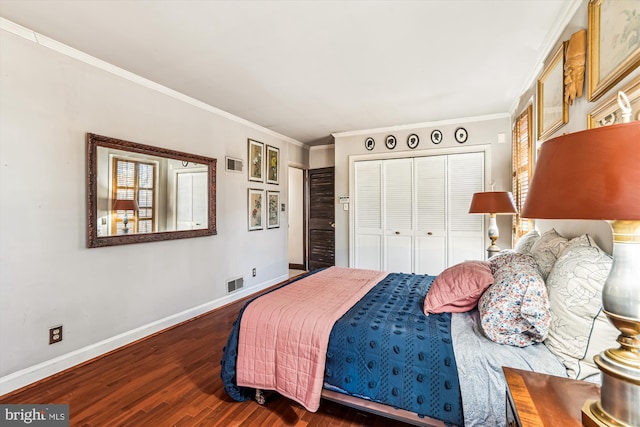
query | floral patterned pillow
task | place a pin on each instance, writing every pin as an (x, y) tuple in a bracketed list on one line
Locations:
[(579, 328), (515, 309)]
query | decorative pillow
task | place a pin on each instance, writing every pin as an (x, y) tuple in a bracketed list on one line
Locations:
[(526, 242), (515, 309), (501, 259), (458, 288), (579, 328), (547, 249)]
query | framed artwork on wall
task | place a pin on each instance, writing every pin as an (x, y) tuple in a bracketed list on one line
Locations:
[(255, 209), (610, 113), (255, 160), (614, 45), (273, 164), (273, 209), (553, 112)]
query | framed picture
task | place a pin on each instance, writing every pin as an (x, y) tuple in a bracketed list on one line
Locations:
[(255, 209), (614, 45), (609, 112), (553, 112), (273, 209), (255, 160), (273, 164)]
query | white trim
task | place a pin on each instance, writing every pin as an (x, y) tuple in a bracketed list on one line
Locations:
[(42, 370), (62, 48), (421, 125)]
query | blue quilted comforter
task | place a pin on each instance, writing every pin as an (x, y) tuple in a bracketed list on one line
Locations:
[(386, 350)]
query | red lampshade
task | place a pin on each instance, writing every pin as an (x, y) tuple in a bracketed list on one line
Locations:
[(592, 174), (493, 202), (125, 205)]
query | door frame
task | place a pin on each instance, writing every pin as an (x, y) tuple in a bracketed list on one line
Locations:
[(305, 216)]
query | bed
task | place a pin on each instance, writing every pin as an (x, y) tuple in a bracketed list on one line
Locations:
[(422, 349)]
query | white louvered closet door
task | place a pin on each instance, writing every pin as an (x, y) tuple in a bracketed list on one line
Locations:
[(368, 215), (398, 215), (466, 232), (431, 218)]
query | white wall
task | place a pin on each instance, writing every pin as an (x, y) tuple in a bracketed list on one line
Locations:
[(47, 275), (578, 113), (481, 131)]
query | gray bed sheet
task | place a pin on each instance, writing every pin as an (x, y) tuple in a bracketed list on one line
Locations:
[(480, 363)]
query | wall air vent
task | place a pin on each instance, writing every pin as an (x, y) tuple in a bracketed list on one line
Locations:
[(234, 284), (233, 165)]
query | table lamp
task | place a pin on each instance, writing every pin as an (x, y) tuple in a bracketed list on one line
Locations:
[(125, 205), (493, 203), (595, 175)]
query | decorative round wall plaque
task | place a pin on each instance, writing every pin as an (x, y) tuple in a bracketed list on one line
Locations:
[(413, 141), (390, 141), (436, 136), (461, 135), (369, 143)]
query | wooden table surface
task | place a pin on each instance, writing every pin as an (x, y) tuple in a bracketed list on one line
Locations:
[(547, 400)]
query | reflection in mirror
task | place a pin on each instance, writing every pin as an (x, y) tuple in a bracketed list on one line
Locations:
[(139, 193)]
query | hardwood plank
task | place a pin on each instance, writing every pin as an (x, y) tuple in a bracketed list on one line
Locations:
[(172, 378)]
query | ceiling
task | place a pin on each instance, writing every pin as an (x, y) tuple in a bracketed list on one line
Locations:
[(306, 69)]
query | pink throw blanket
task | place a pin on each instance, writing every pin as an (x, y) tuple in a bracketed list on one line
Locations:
[(284, 335)]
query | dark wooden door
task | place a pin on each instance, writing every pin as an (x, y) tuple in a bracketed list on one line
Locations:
[(321, 218)]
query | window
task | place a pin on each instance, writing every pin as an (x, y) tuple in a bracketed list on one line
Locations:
[(522, 168), (134, 180)]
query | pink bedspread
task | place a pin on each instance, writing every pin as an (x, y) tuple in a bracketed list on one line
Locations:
[(284, 335)]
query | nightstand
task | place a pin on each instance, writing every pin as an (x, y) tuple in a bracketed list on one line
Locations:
[(535, 399)]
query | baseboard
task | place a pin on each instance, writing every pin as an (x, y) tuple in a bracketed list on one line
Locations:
[(32, 374)]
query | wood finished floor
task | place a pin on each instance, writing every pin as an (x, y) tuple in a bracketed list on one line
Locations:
[(173, 379)]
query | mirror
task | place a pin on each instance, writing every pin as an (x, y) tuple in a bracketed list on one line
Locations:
[(138, 193)]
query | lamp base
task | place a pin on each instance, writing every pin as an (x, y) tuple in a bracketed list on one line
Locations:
[(493, 249), (594, 416)]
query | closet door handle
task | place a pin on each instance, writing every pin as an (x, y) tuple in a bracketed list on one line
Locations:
[(397, 232), (429, 233)]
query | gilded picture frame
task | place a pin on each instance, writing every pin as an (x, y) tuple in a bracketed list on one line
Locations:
[(273, 164), (609, 111), (553, 112), (273, 209), (614, 45), (255, 209), (255, 160)]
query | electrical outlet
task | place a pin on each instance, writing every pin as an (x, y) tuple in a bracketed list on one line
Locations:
[(253, 272), (55, 334)]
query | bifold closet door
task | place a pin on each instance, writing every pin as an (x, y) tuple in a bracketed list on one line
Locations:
[(431, 214), (368, 215), (398, 215), (466, 236)]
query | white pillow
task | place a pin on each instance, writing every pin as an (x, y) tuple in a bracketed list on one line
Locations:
[(526, 242), (579, 328), (550, 246)]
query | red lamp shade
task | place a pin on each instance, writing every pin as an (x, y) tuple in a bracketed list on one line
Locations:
[(592, 174), (493, 202), (125, 205)]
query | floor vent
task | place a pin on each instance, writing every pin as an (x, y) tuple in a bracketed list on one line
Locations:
[(234, 165), (235, 284)]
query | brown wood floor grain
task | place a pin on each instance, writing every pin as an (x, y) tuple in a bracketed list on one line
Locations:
[(173, 379)]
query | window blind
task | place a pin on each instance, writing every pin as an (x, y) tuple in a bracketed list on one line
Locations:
[(522, 167)]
